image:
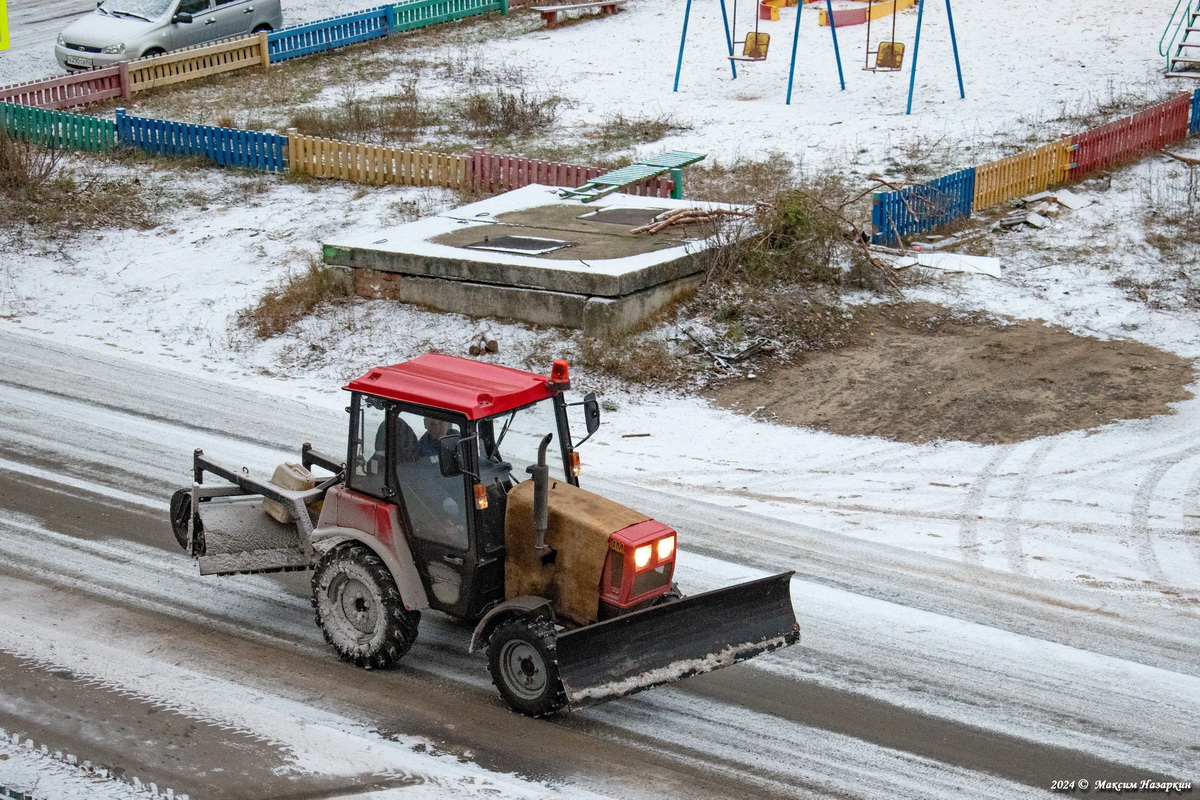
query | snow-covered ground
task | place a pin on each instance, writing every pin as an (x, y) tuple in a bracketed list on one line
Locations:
[(1109, 514)]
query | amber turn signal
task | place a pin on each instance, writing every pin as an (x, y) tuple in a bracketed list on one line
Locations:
[(480, 496), (575, 470)]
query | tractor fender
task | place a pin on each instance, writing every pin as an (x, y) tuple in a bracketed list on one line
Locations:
[(525, 606), (399, 562)]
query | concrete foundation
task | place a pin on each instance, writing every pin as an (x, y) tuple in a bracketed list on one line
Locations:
[(593, 273)]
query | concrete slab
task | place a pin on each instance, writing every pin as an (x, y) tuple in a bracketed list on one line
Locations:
[(570, 264)]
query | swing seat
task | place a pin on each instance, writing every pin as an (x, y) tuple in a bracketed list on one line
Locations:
[(889, 56), (754, 48)]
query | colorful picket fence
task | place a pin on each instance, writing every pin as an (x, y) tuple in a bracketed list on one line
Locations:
[(66, 91), (1129, 137), (326, 34), (374, 164), (1022, 174), (226, 146), (58, 128), (916, 209), (420, 13), (202, 61), (491, 174)]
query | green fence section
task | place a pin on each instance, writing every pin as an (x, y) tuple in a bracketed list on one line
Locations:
[(58, 128), (419, 13)]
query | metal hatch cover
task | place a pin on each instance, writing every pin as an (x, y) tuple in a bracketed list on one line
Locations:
[(521, 245)]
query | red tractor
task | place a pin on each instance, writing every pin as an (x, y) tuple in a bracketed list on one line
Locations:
[(448, 499)]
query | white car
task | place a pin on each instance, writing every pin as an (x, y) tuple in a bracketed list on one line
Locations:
[(123, 30)]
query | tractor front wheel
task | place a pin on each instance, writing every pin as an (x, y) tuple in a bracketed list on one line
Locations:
[(521, 658), (360, 610)]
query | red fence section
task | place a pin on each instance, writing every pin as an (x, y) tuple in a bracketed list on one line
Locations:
[(490, 173), (1127, 137), (65, 91)]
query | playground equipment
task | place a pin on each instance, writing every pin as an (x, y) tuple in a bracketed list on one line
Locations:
[(754, 46), (1180, 42), (889, 55), (866, 11)]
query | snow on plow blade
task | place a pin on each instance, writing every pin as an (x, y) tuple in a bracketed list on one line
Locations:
[(666, 643)]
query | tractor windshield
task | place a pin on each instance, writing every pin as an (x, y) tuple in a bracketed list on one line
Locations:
[(513, 438)]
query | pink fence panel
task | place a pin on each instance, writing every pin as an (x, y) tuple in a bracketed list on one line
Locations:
[(66, 91), (491, 173), (1128, 137)]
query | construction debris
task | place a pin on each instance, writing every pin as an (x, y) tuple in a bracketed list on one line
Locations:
[(952, 262), (724, 360), (1036, 210), (687, 216)]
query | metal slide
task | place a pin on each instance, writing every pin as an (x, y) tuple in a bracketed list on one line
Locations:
[(670, 642)]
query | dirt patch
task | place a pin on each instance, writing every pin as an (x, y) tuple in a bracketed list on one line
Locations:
[(917, 372)]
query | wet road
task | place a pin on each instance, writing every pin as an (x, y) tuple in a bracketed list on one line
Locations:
[(116, 651)]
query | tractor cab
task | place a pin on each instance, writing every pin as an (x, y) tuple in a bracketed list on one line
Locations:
[(444, 440)]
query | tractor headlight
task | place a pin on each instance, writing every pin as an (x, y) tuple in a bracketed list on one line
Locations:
[(114, 49), (666, 547), (641, 556)]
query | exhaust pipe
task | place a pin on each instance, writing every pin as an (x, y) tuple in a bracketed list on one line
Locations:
[(541, 495)]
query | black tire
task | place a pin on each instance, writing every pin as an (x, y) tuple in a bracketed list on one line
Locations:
[(524, 666), (153, 51), (262, 27), (181, 509), (359, 609)]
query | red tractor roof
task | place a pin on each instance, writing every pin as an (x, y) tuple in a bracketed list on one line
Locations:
[(473, 388)]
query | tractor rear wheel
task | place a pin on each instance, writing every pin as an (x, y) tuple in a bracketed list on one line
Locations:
[(524, 667), (360, 610)]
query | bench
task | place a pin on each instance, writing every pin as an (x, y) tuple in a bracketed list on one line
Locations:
[(550, 13)]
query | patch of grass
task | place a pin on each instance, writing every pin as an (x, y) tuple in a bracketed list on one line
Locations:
[(619, 132), (392, 119), (639, 359), (297, 297)]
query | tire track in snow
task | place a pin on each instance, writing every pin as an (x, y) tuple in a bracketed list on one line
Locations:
[(1140, 512), (1014, 546), (968, 537)]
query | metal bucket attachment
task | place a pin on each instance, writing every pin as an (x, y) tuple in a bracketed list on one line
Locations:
[(670, 642), (240, 537)]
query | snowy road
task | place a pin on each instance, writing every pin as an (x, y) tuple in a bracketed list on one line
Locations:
[(914, 678)]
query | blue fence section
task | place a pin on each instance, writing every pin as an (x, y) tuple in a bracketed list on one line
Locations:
[(326, 34), (922, 208), (419, 13), (226, 146), (1194, 127)]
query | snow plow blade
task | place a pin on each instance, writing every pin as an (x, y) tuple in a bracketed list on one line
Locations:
[(666, 643)]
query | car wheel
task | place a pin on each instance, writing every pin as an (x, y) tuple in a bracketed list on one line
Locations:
[(261, 28), (521, 658), (153, 51), (359, 608)]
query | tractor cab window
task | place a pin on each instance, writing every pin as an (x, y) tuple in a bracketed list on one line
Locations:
[(436, 505), (513, 438), (368, 446)]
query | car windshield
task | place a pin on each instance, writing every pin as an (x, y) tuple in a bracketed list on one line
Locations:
[(146, 9), (514, 437)]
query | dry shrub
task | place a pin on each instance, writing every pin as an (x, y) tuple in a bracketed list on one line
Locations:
[(297, 297), (636, 359), (25, 168), (741, 180), (499, 114)]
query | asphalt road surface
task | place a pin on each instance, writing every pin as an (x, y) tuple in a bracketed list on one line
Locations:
[(90, 577)]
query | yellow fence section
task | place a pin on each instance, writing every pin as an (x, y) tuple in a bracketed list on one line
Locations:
[(199, 62), (374, 164), (873, 11), (1022, 174)]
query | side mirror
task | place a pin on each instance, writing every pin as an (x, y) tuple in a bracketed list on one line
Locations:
[(591, 413), (182, 16), (448, 456)]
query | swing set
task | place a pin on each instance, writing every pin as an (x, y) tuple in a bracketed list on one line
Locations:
[(888, 54)]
